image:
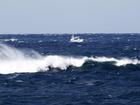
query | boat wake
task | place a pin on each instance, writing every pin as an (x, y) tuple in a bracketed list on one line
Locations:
[(13, 60)]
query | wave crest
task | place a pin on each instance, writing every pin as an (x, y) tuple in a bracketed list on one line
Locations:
[(14, 60)]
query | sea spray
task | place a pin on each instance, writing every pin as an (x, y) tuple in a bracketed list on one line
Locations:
[(13, 60)]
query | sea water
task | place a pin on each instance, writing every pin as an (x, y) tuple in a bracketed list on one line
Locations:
[(49, 69)]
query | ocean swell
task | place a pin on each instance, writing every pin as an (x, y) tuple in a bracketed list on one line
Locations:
[(13, 60)]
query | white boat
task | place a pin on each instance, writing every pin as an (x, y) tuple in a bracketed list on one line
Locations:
[(76, 39)]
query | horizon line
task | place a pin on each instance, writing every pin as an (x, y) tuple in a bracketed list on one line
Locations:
[(66, 33)]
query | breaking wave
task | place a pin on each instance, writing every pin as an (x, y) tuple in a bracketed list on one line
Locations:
[(13, 60)]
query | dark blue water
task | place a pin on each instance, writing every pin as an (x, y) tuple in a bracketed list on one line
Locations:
[(93, 83)]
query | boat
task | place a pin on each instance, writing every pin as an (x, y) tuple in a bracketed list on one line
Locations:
[(76, 39)]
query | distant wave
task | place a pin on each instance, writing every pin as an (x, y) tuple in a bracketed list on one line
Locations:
[(8, 40), (13, 60)]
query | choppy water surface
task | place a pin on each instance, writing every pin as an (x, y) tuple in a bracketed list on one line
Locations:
[(104, 69)]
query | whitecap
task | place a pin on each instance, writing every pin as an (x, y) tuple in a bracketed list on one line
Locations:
[(13, 60), (12, 40)]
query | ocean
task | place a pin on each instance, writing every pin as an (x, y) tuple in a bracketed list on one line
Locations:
[(49, 69)]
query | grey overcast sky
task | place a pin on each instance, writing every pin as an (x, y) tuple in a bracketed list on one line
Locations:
[(69, 16)]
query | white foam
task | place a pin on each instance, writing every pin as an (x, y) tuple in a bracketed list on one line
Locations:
[(117, 62), (12, 39), (16, 60)]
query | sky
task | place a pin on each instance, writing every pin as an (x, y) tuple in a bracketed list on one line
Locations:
[(69, 16)]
